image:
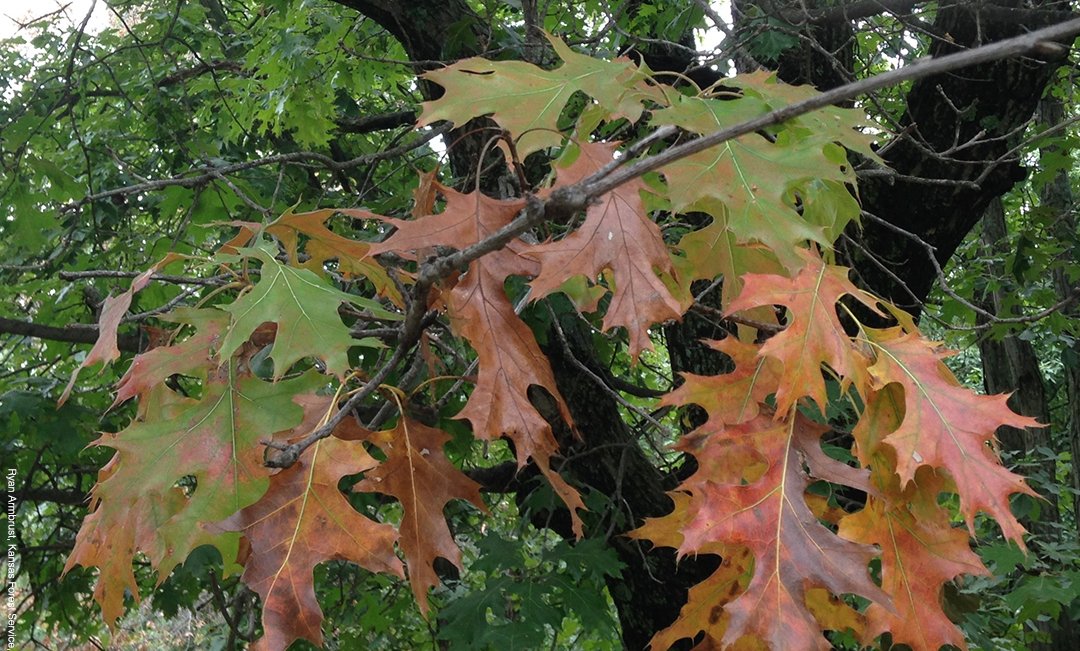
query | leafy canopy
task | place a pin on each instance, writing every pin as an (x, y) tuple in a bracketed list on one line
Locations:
[(266, 363)]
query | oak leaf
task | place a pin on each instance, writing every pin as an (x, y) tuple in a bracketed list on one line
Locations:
[(305, 309), (768, 514), (353, 256), (731, 398), (192, 356), (714, 250), (750, 176), (814, 334), (113, 310), (527, 100), (214, 440), (619, 236), (921, 551), (418, 474), (111, 535), (831, 124), (510, 361), (948, 426), (303, 520)]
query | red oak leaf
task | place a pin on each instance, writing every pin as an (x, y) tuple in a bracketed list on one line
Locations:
[(510, 361), (948, 426), (618, 236), (814, 335), (301, 521), (921, 551), (419, 475), (749, 492)]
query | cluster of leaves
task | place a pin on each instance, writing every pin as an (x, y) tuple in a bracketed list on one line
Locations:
[(238, 378)]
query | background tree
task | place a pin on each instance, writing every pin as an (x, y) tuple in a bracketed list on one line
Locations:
[(183, 122)]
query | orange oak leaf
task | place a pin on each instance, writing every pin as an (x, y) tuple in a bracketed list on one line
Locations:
[(418, 474), (246, 233), (948, 426), (704, 609), (105, 349), (767, 513), (734, 397), (619, 236), (666, 530), (921, 551), (354, 257), (814, 334), (301, 521), (510, 361)]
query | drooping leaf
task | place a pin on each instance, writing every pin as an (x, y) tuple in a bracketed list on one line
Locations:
[(792, 551), (418, 474), (113, 311), (510, 360), (619, 236), (814, 335), (948, 426), (216, 441), (304, 519), (921, 551), (748, 492)]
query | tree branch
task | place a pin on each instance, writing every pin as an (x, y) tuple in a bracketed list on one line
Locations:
[(76, 333), (204, 175), (1040, 43), (369, 123), (566, 201)]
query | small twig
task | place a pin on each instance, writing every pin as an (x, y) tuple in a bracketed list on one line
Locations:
[(714, 313), (641, 413), (165, 278), (204, 175), (992, 319)]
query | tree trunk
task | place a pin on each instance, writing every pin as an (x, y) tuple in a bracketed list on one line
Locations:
[(1057, 196), (1011, 365)]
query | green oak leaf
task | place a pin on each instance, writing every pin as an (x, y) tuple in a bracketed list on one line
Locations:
[(304, 308)]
